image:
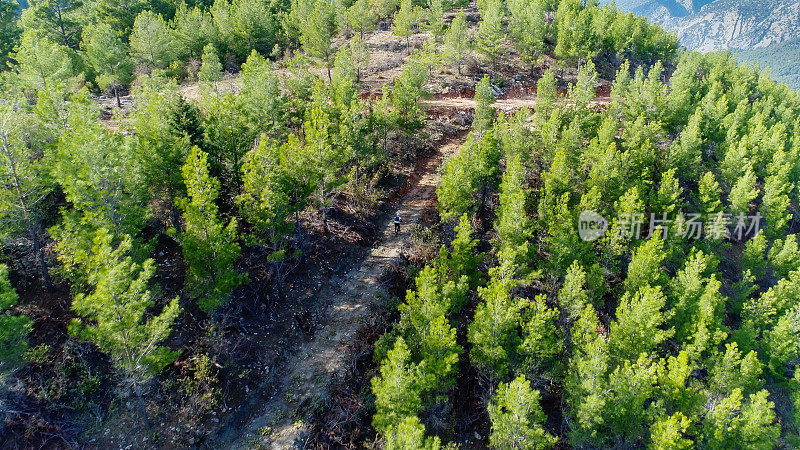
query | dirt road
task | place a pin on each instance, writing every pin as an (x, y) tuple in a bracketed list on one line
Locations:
[(305, 376)]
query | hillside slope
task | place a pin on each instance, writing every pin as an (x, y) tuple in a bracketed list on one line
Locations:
[(757, 29), (723, 24)]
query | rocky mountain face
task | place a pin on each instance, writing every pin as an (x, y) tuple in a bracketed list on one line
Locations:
[(708, 25)]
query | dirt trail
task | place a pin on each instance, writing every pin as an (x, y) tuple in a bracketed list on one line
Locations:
[(309, 368)]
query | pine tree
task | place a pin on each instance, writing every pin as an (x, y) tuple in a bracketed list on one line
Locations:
[(730, 370), (686, 152), (60, 21), (275, 190), (699, 307), (41, 64), (323, 157), (22, 211), (583, 91), (211, 69), (316, 36), (528, 28), (753, 255), (404, 22), (575, 39), (457, 42), (492, 332), (573, 297), (161, 142), (439, 354), (435, 23), (254, 23), (407, 92), (780, 346), (629, 212), (409, 434), (209, 247), (151, 41), (112, 315), (484, 112), (463, 261), (362, 17), (14, 329), (260, 100), (709, 194), (193, 28), (121, 14), (669, 433), (546, 95), (517, 417), (9, 30), (784, 256), (541, 340), (630, 388), (514, 227), (743, 193), (397, 389), (491, 34), (585, 382), (470, 173), (99, 177), (638, 328), (645, 266), (229, 135), (668, 198), (736, 423), (433, 298), (109, 58), (775, 203), (562, 240), (359, 54)]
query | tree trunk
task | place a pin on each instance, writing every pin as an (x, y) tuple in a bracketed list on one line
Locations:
[(116, 94), (483, 200), (176, 218), (45, 272), (142, 407)]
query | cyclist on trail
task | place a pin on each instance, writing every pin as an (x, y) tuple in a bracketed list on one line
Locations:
[(397, 221)]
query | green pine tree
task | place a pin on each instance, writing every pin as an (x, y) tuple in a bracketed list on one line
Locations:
[(484, 112), (210, 248), (112, 315), (517, 417), (109, 58), (211, 68), (14, 329), (457, 41), (491, 33)]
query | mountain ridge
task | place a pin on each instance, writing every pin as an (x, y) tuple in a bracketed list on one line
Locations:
[(766, 32), (722, 24)]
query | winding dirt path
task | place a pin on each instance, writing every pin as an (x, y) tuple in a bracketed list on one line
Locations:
[(308, 370)]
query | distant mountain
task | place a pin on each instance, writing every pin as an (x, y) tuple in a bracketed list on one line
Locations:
[(783, 59), (758, 28), (723, 24)]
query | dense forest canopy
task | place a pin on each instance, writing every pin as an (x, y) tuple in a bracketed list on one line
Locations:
[(620, 265)]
